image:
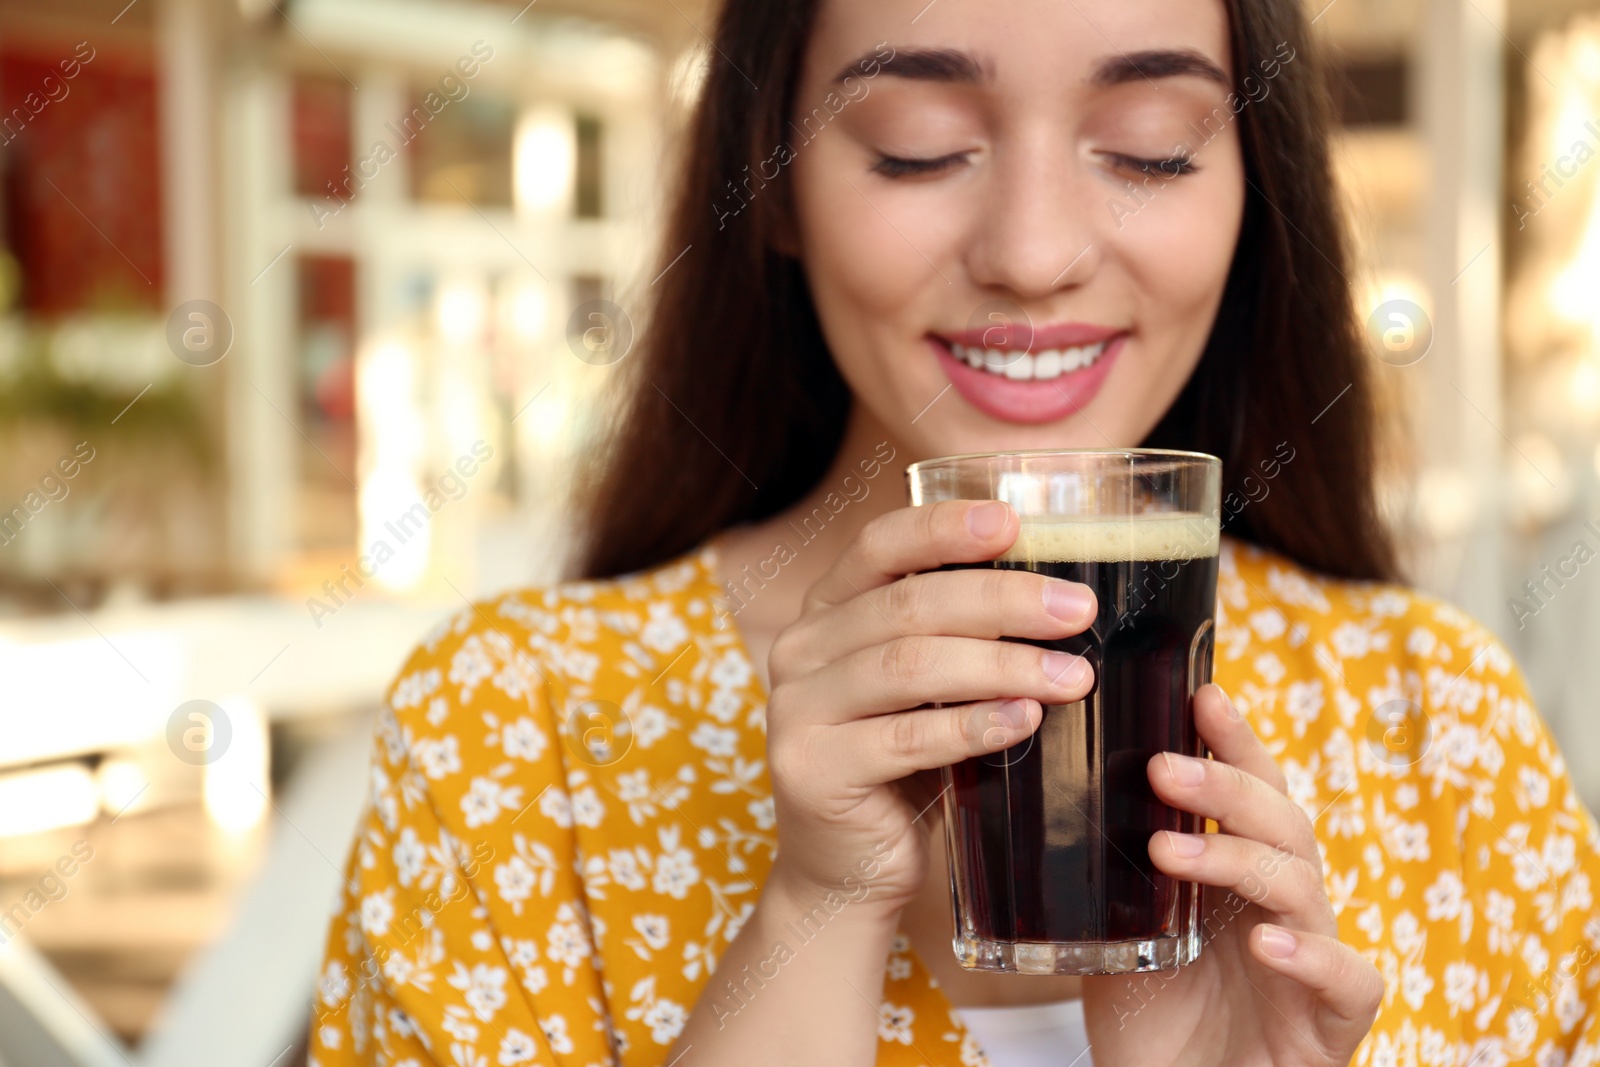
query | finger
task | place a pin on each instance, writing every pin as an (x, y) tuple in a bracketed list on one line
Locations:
[(909, 671), (908, 540), (1349, 987), (1232, 739), (886, 747), (1241, 803), (1282, 882), (983, 602)]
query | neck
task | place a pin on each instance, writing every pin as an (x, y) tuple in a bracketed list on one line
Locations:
[(771, 564)]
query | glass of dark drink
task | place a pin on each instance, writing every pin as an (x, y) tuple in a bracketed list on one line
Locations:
[(1050, 869)]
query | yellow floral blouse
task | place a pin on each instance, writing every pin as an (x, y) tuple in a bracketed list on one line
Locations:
[(570, 818)]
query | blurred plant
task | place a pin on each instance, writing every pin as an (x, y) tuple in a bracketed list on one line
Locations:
[(85, 376)]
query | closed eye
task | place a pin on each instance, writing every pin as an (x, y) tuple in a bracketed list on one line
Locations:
[(1171, 167), (901, 167)]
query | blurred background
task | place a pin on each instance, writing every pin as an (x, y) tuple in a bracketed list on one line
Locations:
[(298, 313)]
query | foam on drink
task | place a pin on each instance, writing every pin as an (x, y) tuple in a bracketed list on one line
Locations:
[(1114, 538)]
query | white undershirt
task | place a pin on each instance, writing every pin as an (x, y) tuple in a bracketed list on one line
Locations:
[(1032, 1035)]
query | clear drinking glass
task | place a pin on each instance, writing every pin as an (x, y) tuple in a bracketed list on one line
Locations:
[(1050, 871)]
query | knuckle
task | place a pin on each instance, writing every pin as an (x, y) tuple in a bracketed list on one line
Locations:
[(900, 662), (784, 654), (945, 522), (993, 593), (782, 757), (902, 736), (875, 537), (903, 600)]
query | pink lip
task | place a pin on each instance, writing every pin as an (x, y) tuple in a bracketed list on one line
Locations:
[(1031, 338), (1030, 402)]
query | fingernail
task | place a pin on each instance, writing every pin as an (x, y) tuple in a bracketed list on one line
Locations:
[(1184, 771), (1067, 601), (986, 520), (1233, 710), (1014, 713), (1064, 670), (1277, 942), (1185, 845)]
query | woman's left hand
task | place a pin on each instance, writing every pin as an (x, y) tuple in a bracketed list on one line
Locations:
[(1273, 983)]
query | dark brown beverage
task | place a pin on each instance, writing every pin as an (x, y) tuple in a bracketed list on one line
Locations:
[(1049, 839)]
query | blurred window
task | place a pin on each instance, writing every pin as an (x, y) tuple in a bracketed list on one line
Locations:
[(462, 151), (81, 163), (589, 178), (325, 387), (320, 130)]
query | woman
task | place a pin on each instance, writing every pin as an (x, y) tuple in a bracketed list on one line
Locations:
[(579, 791)]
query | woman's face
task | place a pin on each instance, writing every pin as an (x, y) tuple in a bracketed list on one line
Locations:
[(1051, 191)]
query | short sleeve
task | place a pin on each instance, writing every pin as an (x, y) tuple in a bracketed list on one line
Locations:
[(421, 967), (1527, 988)]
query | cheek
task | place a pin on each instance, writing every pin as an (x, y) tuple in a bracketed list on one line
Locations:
[(863, 257), (1180, 245)]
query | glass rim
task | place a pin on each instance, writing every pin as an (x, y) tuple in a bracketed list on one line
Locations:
[(914, 469)]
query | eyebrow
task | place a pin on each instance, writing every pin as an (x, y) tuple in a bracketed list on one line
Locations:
[(963, 68)]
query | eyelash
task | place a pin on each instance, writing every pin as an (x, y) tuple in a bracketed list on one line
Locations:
[(899, 167), (1171, 167)]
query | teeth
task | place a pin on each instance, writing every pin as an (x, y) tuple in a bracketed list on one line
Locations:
[(1024, 366)]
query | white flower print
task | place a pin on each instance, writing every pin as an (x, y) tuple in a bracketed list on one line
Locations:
[(894, 1022), (516, 1047), (414, 688), (716, 740), (675, 873), (665, 1018), (624, 868), (567, 940), (1421, 642), (664, 631), (1370, 922), (1414, 986), (335, 985), (377, 909), (486, 798), (1460, 982), (1270, 668), (586, 807), (724, 705), (439, 756), (471, 664), (516, 881), (557, 806), (1535, 786), (409, 856), (732, 671), (483, 988), (1269, 623), (1444, 897), (523, 739), (650, 725), (763, 812), (1476, 857), (654, 929), (555, 1032), (1351, 640), (1305, 704)]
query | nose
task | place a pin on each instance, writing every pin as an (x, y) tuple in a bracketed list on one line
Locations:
[(1036, 234)]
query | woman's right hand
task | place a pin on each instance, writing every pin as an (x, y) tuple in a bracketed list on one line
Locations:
[(871, 645)]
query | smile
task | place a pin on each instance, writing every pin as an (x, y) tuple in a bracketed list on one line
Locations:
[(1033, 377), (1030, 366)]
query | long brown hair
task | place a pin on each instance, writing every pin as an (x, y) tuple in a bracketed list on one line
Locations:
[(732, 408)]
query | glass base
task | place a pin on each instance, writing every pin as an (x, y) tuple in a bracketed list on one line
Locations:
[(1083, 957)]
